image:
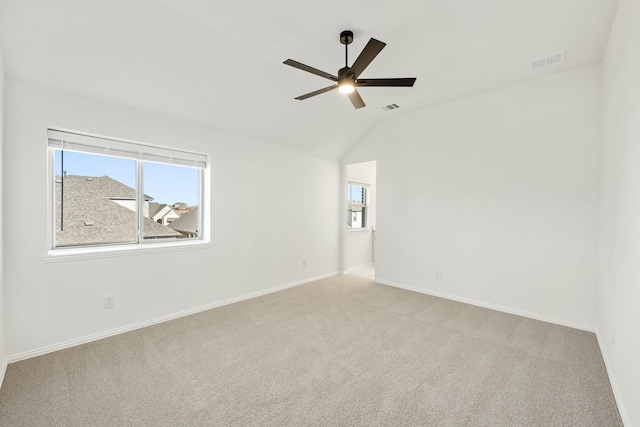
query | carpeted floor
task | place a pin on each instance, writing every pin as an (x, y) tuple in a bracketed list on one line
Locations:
[(338, 352)]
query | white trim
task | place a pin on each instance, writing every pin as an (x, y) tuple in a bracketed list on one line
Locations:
[(139, 202), (111, 332), (344, 197), (614, 387), (491, 306), (3, 370), (51, 185), (107, 251), (349, 230), (359, 184)]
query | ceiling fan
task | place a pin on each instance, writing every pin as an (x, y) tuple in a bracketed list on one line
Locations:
[(347, 79)]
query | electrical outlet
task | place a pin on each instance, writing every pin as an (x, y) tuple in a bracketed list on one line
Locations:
[(109, 301), (304, 263), (438, 274)]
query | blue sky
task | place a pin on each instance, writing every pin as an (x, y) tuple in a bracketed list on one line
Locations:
[(165, 183), (355, 193)]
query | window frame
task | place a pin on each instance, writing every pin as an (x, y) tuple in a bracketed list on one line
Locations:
[(365, 204), (141, 245)]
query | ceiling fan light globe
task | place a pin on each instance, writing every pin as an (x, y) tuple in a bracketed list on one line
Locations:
[(346, 88)]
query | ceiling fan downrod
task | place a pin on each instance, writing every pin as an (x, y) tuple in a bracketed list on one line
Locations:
[(346, 38)]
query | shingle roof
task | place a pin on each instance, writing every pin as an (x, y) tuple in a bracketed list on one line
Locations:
[(154, 208), (108, 187), (90, 217), (187, 223)]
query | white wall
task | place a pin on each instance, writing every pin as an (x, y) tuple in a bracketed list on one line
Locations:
[(259, 241), (359, 244), (499, 192), (619, 274), (3, 352)]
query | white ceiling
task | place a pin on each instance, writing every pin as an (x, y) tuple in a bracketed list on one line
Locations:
[(220, 62)]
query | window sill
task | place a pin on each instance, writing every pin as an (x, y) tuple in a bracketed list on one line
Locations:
[(358, 229), (61, 255)]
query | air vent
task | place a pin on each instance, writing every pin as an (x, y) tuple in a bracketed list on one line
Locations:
[(538, 63), (390, 107), (554, 59), (548, 60)]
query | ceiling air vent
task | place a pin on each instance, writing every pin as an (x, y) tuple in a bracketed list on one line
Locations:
[(390, 107), (548, 60)]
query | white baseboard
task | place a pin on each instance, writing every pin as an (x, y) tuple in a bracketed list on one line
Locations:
[(616, 393), (491, 306), (111, 332), (3, 369)]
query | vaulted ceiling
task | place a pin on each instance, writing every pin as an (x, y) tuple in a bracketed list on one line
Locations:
[(220, 62)]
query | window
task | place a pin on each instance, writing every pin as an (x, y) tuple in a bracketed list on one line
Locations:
[(357, 205), (112, 192)]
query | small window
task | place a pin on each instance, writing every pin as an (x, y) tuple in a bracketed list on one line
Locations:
[(357, 205), (112, 192)]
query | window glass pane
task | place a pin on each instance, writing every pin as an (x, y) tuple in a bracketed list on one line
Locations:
[(95, 199), (357, 195), (108, 191), (171, 201)]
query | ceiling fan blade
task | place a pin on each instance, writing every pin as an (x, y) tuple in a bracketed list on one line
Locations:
[(309, 69), (404, 82), (356, 99), (317, 92), (370, 51)]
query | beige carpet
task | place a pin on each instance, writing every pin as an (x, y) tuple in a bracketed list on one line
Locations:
[(338, 352)]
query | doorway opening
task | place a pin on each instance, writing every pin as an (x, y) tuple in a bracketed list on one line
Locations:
[(361, 219)]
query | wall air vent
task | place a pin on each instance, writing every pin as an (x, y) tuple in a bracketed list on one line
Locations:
[(390, 107), (548, 60)]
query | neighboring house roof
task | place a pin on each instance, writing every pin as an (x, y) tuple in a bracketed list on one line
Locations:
[(181, 210), (154, 208), (90, 217), (164, 212), (109, 187), (187, 223)]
